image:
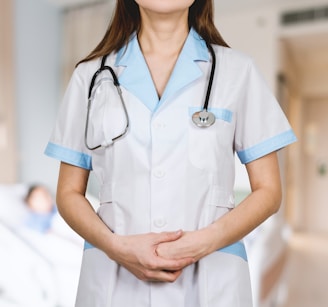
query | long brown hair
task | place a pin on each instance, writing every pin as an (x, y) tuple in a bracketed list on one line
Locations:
[(126, 20)]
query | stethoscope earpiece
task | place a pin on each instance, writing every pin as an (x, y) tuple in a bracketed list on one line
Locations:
[(203, 119)]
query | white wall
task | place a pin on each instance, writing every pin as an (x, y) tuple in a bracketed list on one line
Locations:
[(37, 60), (254, 28), (7, 96)]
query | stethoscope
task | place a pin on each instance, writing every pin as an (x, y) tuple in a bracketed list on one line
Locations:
[(201, 119)]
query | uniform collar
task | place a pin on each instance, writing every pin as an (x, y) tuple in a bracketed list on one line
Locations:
[(136, 77)]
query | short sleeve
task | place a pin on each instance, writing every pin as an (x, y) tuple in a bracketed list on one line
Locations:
[(261, 125), (67, 140)]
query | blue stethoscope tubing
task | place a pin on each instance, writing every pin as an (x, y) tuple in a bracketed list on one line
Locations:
[(201, 119)]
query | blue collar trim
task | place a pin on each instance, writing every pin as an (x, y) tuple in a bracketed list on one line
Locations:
[(137, 79)]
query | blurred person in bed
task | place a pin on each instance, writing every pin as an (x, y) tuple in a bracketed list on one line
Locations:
[(41, 208)]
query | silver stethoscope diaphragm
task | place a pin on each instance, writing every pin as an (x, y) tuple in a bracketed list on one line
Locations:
[(203, 119)]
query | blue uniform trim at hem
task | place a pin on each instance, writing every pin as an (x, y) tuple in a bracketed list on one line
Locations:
[(272, 144), (68, 156), (223, 114), (87, 245), (237, 249)]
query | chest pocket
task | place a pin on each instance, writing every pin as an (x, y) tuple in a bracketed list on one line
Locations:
[(209, 147)]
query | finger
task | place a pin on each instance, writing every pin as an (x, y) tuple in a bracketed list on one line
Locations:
[(169, 236), (163, 276), (169, 276), (172, 265)]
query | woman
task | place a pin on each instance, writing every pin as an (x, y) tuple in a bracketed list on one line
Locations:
[(167, 232)]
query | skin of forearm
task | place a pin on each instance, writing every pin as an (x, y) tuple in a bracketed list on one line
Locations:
[(264, 200), (228, 229), (249, 214), (81, 217), (76, 209)]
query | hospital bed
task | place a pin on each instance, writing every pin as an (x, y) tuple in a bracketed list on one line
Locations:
[(37, 269)]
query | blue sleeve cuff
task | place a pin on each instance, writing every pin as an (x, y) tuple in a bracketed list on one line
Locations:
[(270, 145), (69, 156)]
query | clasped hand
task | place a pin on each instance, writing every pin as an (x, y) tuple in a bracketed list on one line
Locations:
[(158, 256)]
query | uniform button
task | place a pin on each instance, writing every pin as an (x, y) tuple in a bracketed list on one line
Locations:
[(159, 125), (160, 222), (159, 173)]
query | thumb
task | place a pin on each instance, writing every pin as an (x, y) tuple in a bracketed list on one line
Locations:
[(170, 236)]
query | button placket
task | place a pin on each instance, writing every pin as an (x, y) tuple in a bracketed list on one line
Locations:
[(158, 174)]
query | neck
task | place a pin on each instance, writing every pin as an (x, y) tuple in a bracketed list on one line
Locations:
[(162, 34)]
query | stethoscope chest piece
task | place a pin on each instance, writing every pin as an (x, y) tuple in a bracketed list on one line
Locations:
[(203, 118)]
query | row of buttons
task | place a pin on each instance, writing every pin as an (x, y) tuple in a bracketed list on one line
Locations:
[(159, 222)]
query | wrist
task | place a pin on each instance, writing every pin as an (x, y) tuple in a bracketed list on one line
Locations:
[(111, 244), (214, 236), (207, 242)]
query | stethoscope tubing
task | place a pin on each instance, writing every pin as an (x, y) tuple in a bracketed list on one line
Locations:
[(210, 82), (202, 119), (119, 91)]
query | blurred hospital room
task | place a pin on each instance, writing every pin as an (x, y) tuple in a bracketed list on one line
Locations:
[(40, 43)]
